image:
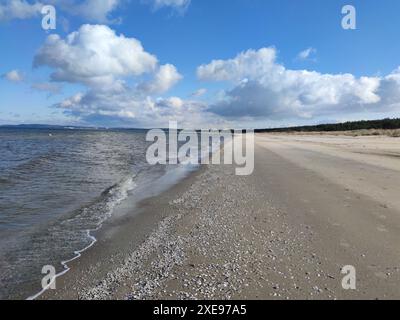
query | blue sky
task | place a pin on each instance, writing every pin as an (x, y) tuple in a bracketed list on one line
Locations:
[(350, 74)]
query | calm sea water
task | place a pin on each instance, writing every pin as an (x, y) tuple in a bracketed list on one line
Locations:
[(55, 185)]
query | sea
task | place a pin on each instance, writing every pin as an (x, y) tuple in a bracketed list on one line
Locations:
[(59, 185)]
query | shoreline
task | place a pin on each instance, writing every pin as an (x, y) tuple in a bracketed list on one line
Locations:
[(142, 221), (312, 206), (129, 206)]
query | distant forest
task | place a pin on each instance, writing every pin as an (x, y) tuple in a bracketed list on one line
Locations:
[(346, 126)]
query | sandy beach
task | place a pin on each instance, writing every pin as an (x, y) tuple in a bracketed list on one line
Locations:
[(314, 204)]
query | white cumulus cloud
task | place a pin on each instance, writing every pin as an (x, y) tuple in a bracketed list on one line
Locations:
[(95, 56), (261, 87), (112, 68)]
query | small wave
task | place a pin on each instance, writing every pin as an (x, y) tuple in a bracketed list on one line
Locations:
[(99, 211), (119, 191)]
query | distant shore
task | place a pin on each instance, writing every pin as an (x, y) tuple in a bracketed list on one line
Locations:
[(313, 205)]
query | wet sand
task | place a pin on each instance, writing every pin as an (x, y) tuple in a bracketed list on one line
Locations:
[(313, 205)]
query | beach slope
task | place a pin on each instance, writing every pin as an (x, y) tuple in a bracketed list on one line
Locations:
[(313, 205)]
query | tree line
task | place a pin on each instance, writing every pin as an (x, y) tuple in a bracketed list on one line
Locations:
[(383, 124)]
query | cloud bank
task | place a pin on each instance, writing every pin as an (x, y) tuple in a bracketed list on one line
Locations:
[(121, 78), (123, 82), (262, 87)]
